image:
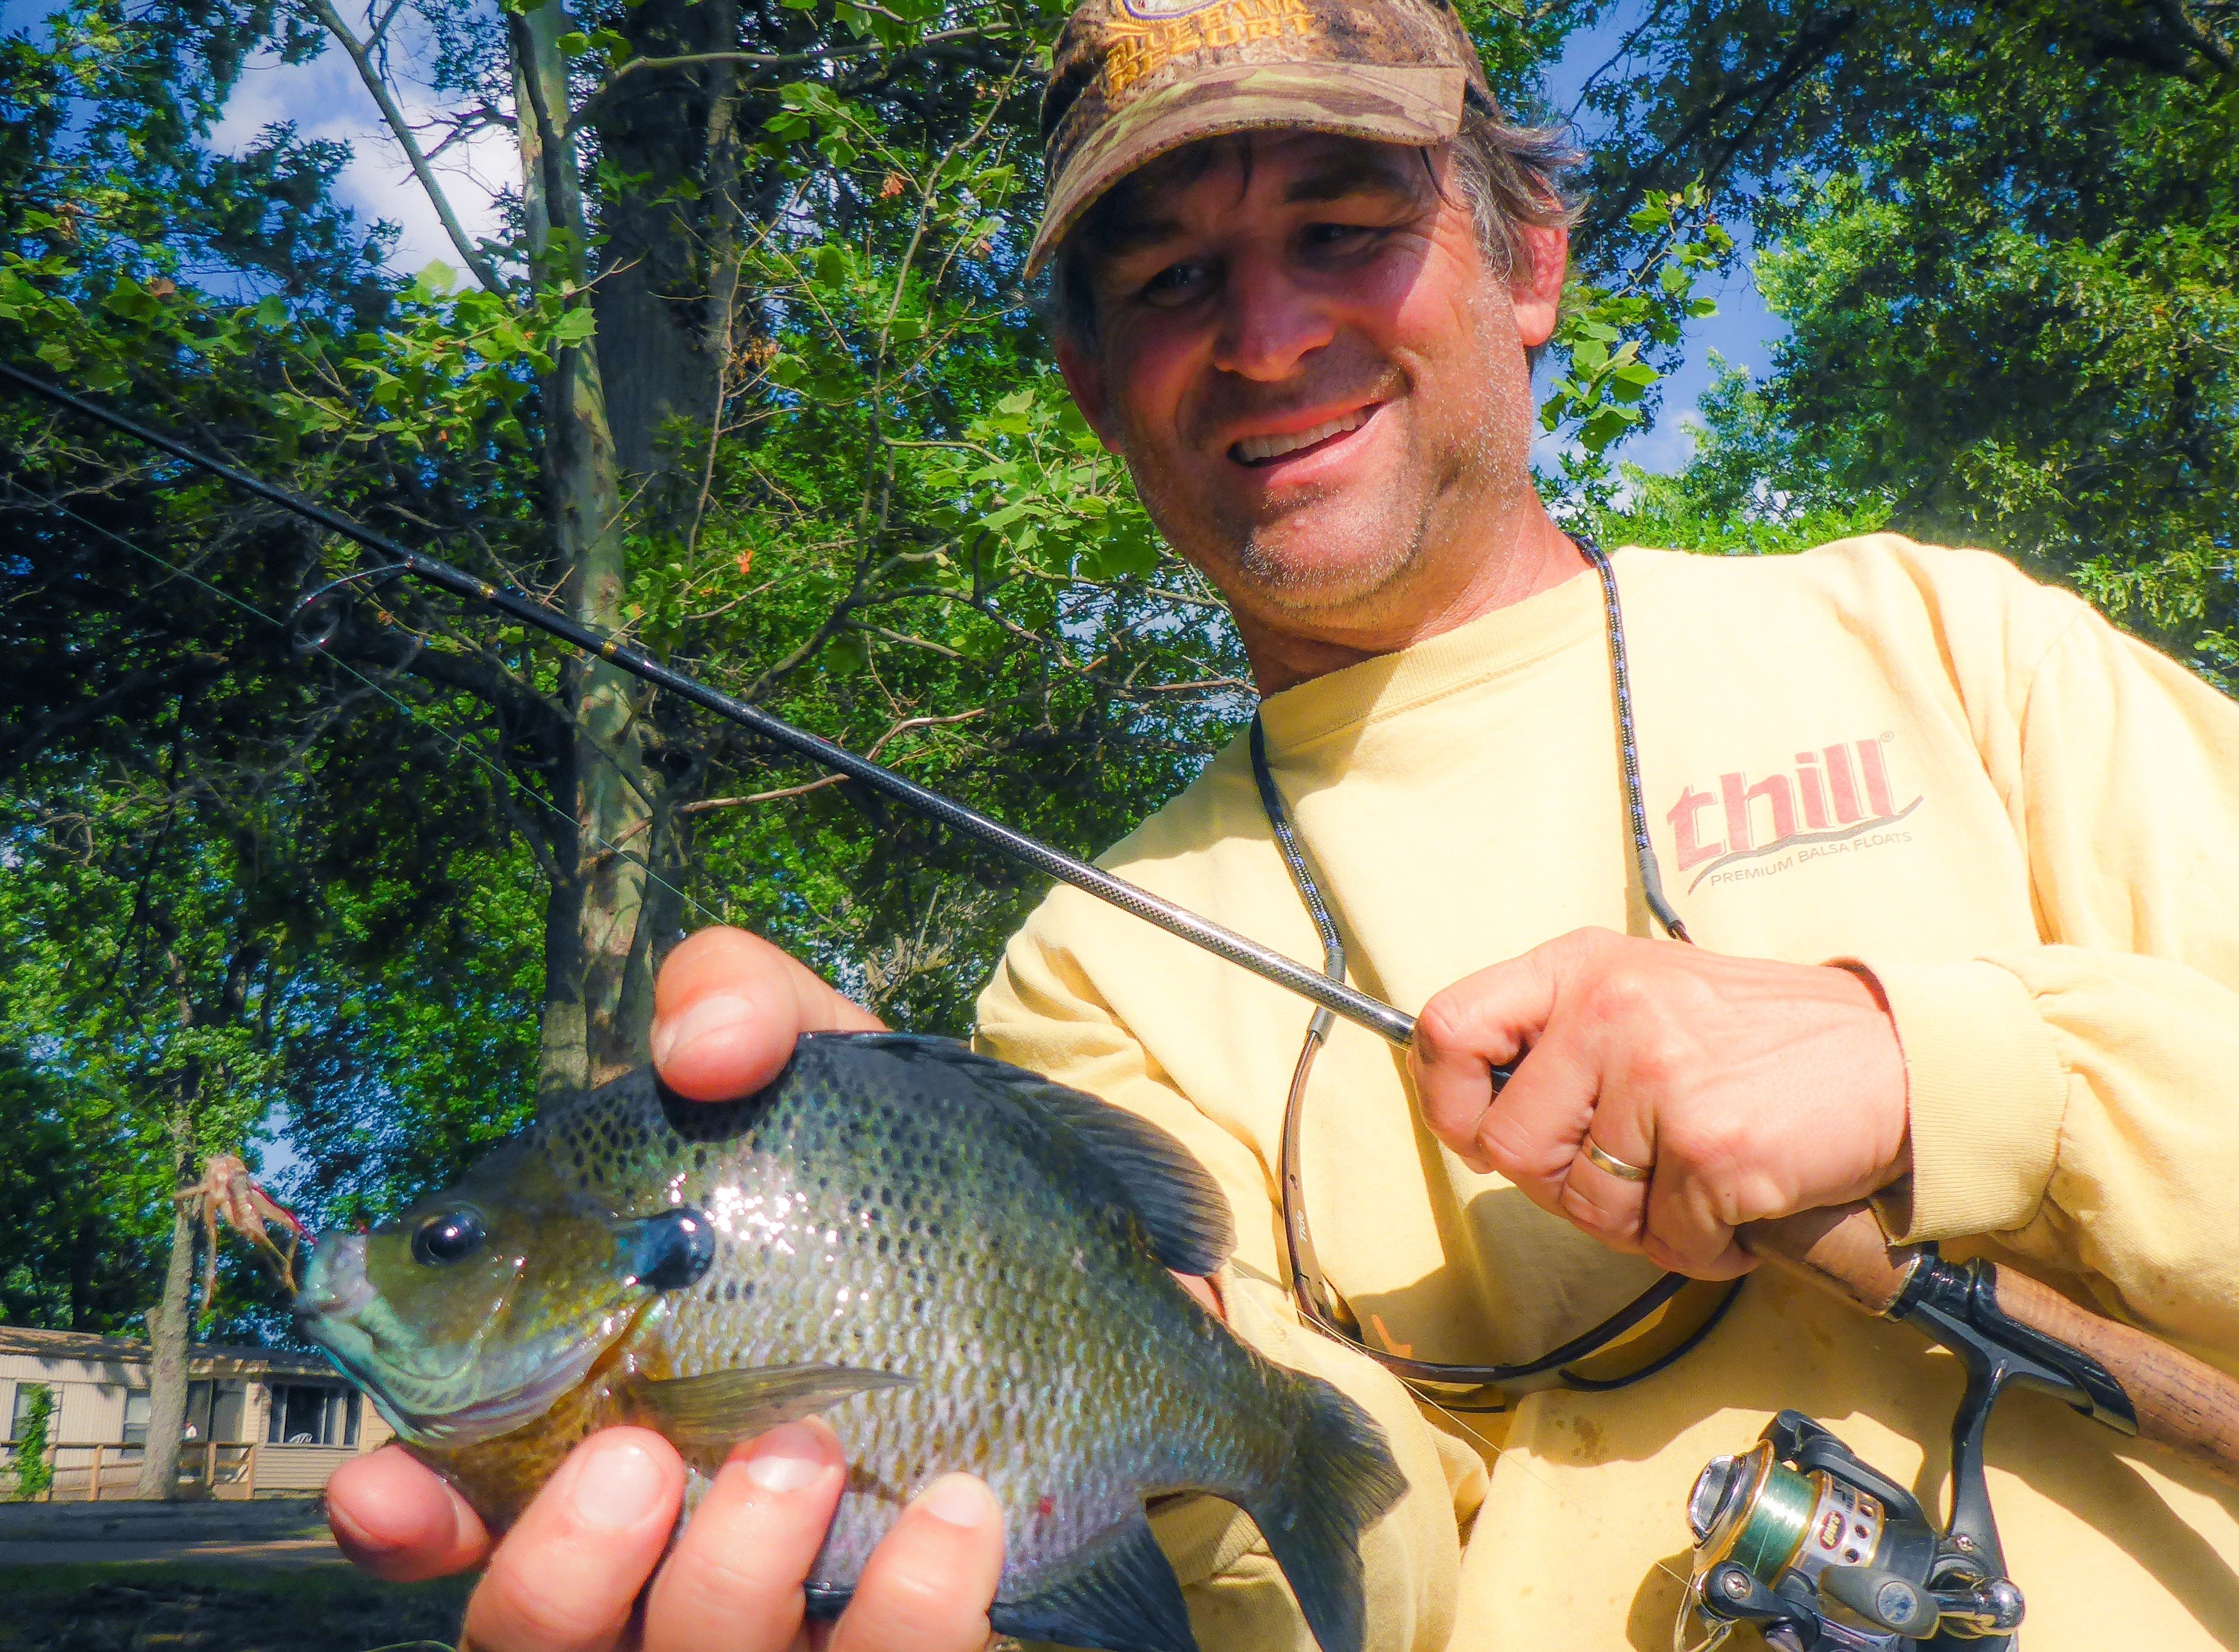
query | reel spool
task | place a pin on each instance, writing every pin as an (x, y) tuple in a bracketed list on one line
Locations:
[(1822, 1554)]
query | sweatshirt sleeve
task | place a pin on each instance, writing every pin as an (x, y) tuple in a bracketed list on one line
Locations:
[(2079, 1099), (1040, 1012)]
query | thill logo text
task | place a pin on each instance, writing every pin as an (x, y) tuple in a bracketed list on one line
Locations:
[(1839, 794)]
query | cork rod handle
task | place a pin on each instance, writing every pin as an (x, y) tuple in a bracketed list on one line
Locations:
[(2180, 1402)]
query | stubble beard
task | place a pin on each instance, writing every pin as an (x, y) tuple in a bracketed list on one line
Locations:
[(1393, 533), (1385, 553)]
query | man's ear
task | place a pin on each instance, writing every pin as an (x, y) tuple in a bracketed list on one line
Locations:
[(1083, 376), (1536, 286)]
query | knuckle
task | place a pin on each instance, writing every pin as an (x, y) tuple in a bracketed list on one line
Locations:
[(517, 1609), (1515, 1151), (1440, 1029), (1620, 995), (1703, 1144), (1659, 1055), (1597, 1211), (702, 1577)]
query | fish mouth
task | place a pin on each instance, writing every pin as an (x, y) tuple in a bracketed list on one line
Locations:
[(334, 1285), (339, 1308)]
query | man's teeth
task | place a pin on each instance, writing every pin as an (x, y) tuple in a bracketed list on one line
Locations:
[(1257, 449)]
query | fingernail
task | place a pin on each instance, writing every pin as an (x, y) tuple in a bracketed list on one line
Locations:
[(617, 1485), (348, 1528), (714, 1014), (786, 1458), (958, 1499)]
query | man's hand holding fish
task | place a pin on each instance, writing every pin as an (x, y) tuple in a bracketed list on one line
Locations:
[(567, 1576)]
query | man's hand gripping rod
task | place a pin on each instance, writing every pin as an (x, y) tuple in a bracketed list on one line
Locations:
[(2123, 1376)]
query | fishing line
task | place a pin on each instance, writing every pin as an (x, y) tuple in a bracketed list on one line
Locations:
[(1386, 1020), (412, 713)]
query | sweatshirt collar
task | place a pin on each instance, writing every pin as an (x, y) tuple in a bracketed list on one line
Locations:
[(1506, 640)]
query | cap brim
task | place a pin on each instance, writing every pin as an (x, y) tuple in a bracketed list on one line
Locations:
[(1412, 104)]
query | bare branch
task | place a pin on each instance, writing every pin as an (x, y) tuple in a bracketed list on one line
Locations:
[(802, 790), (401, 129), (756, 60)]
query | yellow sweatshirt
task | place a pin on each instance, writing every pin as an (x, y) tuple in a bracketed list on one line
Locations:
[(2026, 823)]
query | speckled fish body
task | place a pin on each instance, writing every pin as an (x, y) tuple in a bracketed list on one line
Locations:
[(960, 1264)]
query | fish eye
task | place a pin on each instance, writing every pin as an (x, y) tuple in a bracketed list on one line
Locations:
[(446, 1238)]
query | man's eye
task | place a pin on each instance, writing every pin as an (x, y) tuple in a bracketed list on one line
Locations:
[(1175, 284), (1338, 237)]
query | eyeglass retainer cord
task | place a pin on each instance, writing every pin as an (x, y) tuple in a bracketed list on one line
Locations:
[(1320, 1306)]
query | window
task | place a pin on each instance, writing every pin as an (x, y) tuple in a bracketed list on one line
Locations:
[(197, 1425), (19, 1418), (307, 1413), (135, 1417)]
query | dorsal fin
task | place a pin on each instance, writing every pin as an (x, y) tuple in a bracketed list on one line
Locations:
[(1179, 1206)]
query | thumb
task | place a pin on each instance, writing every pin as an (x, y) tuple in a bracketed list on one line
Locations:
[(1481, 1022), (727, 1007)]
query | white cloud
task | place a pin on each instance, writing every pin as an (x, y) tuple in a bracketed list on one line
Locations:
[(325, 99)]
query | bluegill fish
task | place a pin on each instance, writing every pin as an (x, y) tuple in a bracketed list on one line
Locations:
[(961, 1264)]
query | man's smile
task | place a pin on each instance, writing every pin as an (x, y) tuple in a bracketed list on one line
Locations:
[(1266, 449)]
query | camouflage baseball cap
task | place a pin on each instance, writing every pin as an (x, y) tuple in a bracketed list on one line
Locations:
[(1131, 79)]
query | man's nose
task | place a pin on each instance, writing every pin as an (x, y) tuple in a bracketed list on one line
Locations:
[(1268, 321)]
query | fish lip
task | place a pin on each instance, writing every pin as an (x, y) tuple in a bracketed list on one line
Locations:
[(334, 1285), (329, 1310)]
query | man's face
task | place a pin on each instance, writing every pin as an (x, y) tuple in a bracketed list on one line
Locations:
[(1320, 388)]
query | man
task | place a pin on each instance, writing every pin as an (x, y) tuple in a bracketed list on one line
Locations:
[(1959, 859)]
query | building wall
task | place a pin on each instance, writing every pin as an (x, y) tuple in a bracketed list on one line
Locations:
[(89, 1394)]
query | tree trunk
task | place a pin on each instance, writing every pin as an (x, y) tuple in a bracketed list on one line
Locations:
[(598, 996), (670, 264), (168, 1332)]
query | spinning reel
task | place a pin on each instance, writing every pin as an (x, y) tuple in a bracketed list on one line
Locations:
[(1800, 1537)]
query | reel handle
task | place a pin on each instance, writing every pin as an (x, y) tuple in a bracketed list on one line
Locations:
[(2179, 1401)]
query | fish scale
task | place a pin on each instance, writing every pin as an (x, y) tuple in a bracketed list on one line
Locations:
[(954, 1273), (960, 1265)]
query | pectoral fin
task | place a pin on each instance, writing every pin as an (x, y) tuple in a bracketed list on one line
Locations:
[(715, 1411)]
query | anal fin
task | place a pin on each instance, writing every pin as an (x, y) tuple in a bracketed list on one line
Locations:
[(1121, 1596), (715, 1411)]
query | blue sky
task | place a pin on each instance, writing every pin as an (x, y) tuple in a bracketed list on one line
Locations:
[(1742, 332)]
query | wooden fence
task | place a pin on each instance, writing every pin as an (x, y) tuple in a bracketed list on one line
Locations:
[(92, 1471)]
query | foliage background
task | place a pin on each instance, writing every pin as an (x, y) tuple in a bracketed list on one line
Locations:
[(745, 369)]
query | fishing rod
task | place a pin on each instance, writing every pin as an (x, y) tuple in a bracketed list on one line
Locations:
[(1380, 1017), (1910, 1582)]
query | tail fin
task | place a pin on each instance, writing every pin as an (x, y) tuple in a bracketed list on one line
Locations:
[(1339, 1480)]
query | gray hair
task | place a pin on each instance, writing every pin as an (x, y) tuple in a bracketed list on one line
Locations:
[(1514, 177)]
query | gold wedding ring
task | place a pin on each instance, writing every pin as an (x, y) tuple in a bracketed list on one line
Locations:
[(1616, 1166)]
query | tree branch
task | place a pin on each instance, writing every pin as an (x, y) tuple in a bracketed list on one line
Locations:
[(401, 129), (754, 60), (902, 727)]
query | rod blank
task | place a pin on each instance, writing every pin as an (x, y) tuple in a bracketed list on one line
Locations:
[(1334, 996)]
